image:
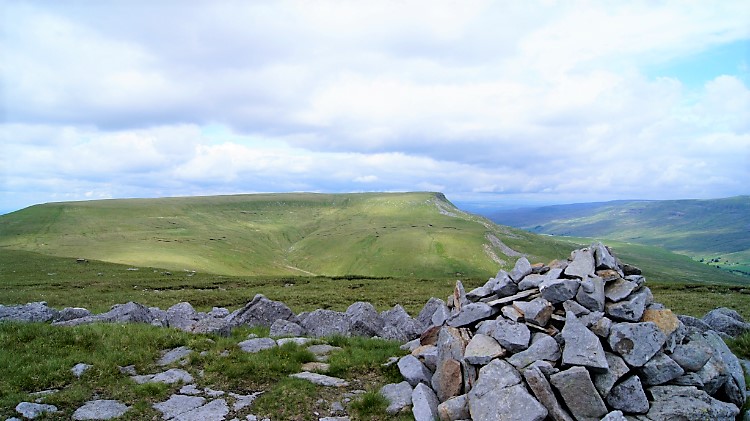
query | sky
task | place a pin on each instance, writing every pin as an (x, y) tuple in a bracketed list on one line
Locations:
[(507, 102)]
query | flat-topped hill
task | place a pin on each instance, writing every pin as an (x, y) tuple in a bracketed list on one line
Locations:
[(367, 234)]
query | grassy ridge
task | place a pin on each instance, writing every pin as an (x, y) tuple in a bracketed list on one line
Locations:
[(284, 234)]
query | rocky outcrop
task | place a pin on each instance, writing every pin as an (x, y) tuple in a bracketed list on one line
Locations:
[(580, 340)]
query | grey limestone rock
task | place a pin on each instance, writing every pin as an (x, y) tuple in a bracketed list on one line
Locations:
[(120, 313), (182, 316), (79, 369), (32, 410), (261, 312), (694, 323), (424, 403), (71, 313), (31, 312), (629, 396), (214, 410), (511, 313), (170, 376), (688, 403), (604, 381), (478, 293), (660, 369), (398, 325), (414, 371), (632, 308), (321, 379), (582, 264), (398, 396), (543, 347), (450, 343), (531, 281), (210, 325), (542, 390), (614, 416), (218, 312), (455, 408), (503, 285), (255, 345), (582, 347), (173, 355), (364, 320), (521, 269), (726, 321), (578, 392), (591, 293), (511, 335), (321, 323), (559, 290), (470, 314), (101, 409), (537, 311), (734, 388), (603, 257), (482, 349), (282, 327), (425, 316), (619, 289), (428, 354), (499, 395), (636, 343)]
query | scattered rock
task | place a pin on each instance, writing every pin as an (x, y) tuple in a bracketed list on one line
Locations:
[(261, 312), (398, 395), (31, 312), (321, 379), (103, 409), (32, 410), (173, 355), (79, 369), (256, 345)]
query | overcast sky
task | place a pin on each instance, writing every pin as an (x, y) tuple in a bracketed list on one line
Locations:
[(512, 101)]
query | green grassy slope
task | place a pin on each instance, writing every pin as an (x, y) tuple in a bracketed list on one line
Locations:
[(369, 234), (702, 229)]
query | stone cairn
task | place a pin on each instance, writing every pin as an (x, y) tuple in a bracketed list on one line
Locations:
[(580, 339)]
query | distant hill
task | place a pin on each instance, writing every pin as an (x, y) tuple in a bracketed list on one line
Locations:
[(369, 234), (714, 231)]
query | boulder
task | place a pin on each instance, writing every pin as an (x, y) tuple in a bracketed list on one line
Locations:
[(364, 320), (537, 311), (261, 312), (590, 293), (470, 314), (398, 396), (542, 390), (31, 312), (543, 347), (255, 345), (503, 285), (102, 409), (482, 349), (636, 343), (688, 403), (521, 269), (424, 403), (282, 327), (398, 325), (498, 395), (726, 321), (414, 371), (559, 290), (455, 408), (70, 313), (182, 316), (321, 323), (659, 370), (447, 380), (735, 388), (510, 335), (582, 264), (629, 396), (582, 347), (424, 318), (632, 308), (451, 343), (578, 393)]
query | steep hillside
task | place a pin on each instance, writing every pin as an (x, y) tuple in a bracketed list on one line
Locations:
[(369, 234), (716, 231)]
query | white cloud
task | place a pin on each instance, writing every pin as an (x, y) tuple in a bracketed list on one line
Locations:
[(508, 98)]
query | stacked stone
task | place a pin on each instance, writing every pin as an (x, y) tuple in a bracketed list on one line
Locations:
[(580, 339)]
